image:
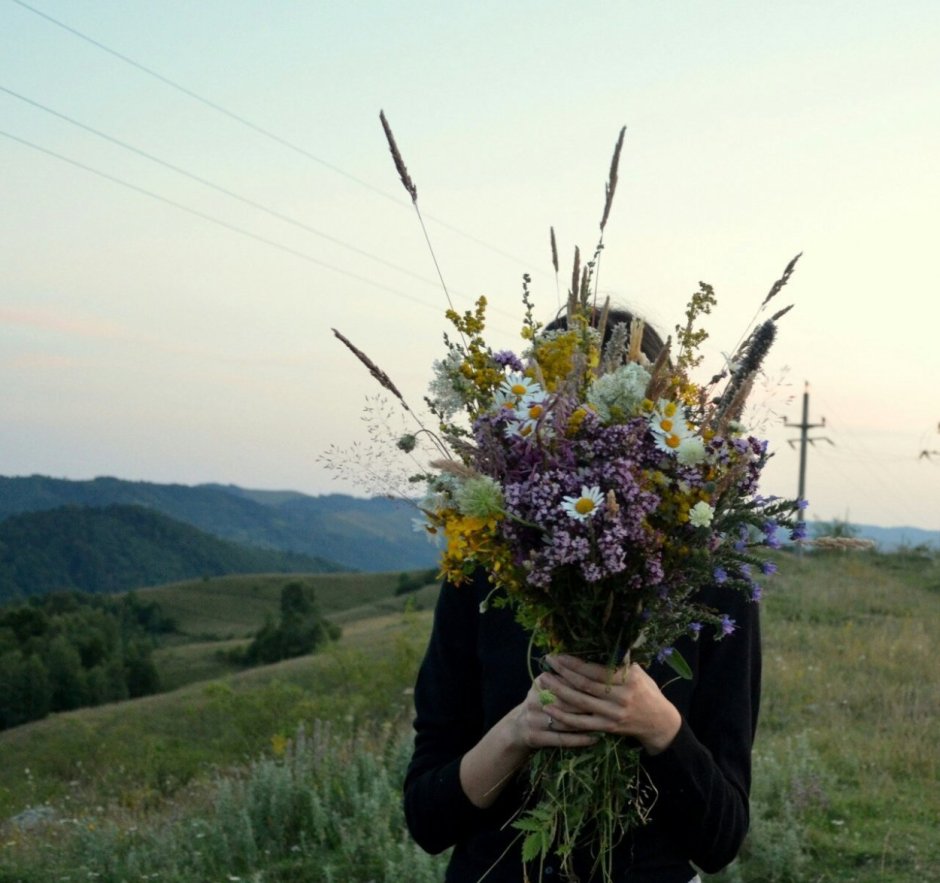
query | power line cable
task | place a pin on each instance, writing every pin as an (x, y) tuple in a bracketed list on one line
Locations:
[(219, 188), (882, 471), (218, 221), (886, 502), (267, 133)]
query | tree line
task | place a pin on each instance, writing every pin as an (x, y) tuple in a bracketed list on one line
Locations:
[(68, 650)]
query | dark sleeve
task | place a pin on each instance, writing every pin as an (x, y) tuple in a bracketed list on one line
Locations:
[(448, 722), (703, 779)]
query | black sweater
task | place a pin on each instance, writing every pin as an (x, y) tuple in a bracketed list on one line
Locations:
[(475, 671)]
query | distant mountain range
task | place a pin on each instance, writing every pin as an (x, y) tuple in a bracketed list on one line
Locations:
[(108, 534), (889, 539), (344, 531)]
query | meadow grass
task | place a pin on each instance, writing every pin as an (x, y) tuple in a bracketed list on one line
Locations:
[(846, 757), (225, 607), (215, 616), (219, 780), (138, 753)]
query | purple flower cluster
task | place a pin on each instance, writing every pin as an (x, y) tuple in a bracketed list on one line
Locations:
[(508, 359), (615, 541), (630, 561)]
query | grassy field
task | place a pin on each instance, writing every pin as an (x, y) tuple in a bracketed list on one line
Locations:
[(845, 766), (218, 614), (852, 696), (223, 607)]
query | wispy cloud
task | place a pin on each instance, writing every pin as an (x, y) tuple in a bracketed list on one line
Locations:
[(61, 322)]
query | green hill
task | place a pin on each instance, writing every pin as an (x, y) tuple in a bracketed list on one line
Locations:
[(117, 548), (360, 534)]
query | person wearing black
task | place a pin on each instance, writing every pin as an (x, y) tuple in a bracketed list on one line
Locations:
[(478, 717)]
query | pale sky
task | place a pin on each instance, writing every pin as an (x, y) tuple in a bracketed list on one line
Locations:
[(178, 333)]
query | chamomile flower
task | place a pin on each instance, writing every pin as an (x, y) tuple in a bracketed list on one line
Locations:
[(503, 400), (669, 426), (431, 533), (519, 386), (532, 408), (584, 506), (528, 414)]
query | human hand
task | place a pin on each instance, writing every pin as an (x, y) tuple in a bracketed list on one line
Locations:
[(536, 727), (590, 698)]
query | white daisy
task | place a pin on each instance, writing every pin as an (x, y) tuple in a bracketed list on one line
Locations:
[(669, 426), (519, 386), (584, 506), (531, 407), (528, 414)]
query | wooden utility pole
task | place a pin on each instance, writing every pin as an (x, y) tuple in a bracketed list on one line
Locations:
[(805, 426)]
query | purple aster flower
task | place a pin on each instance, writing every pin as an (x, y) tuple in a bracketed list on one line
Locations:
[(768, 567), (695, 628), (720, 575), (756, 592), (664, 654), (798, 532), (802, 504), (727, 624)]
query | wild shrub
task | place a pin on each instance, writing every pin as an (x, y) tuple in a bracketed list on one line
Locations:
[(790, 788), (324, 806)]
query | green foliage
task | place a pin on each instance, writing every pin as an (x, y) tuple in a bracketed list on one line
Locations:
[(411, 582), (595, 793), (301, 630), (844, 770), (69, 650), (118, 548), (322, 807), (789, 795)]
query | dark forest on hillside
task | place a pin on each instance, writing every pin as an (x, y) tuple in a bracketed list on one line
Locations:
[(118, 548), (68, 650)]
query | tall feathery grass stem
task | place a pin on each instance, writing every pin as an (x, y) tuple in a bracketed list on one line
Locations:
[(410, 186), (744, 339), (554, 244), (386, 383), (609, 190), (437, 266)]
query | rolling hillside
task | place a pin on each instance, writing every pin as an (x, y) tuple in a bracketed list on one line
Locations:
[(359, 534), (117, 548)]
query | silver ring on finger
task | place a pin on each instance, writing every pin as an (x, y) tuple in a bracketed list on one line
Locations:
[(551, 722)]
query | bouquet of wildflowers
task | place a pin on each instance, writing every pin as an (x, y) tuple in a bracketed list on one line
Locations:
[(600, 491)]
